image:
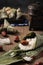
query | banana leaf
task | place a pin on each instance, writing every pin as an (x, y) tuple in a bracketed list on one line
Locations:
[(7, 59)]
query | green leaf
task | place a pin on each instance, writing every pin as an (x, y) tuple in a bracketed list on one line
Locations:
[(34, 52), (8, 60), (18, 54)]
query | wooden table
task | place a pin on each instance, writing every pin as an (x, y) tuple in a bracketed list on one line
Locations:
[(23, 31)]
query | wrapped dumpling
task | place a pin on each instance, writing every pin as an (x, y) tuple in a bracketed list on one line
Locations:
[(4, 41), (19, 13), (34, 40)]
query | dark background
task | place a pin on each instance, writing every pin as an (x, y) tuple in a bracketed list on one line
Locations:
[(23, 4)]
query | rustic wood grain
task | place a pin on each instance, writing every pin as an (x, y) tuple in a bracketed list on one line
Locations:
[(23, 30)]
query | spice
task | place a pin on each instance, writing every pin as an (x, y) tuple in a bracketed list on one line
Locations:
[(16, 39), (24, 42)]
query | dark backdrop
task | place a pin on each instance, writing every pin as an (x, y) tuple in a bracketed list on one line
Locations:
[(18, 3)]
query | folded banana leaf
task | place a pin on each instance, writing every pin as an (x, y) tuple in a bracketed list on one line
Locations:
[(35, 52), (17, 55), (7, 58), (38, 41)]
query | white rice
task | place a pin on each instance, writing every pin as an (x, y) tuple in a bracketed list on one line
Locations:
[(27, 58), (31, 44)]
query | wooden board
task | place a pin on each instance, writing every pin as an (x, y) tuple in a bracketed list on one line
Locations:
[(23, 31)]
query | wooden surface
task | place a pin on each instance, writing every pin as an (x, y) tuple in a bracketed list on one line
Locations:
[(23, 31)]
